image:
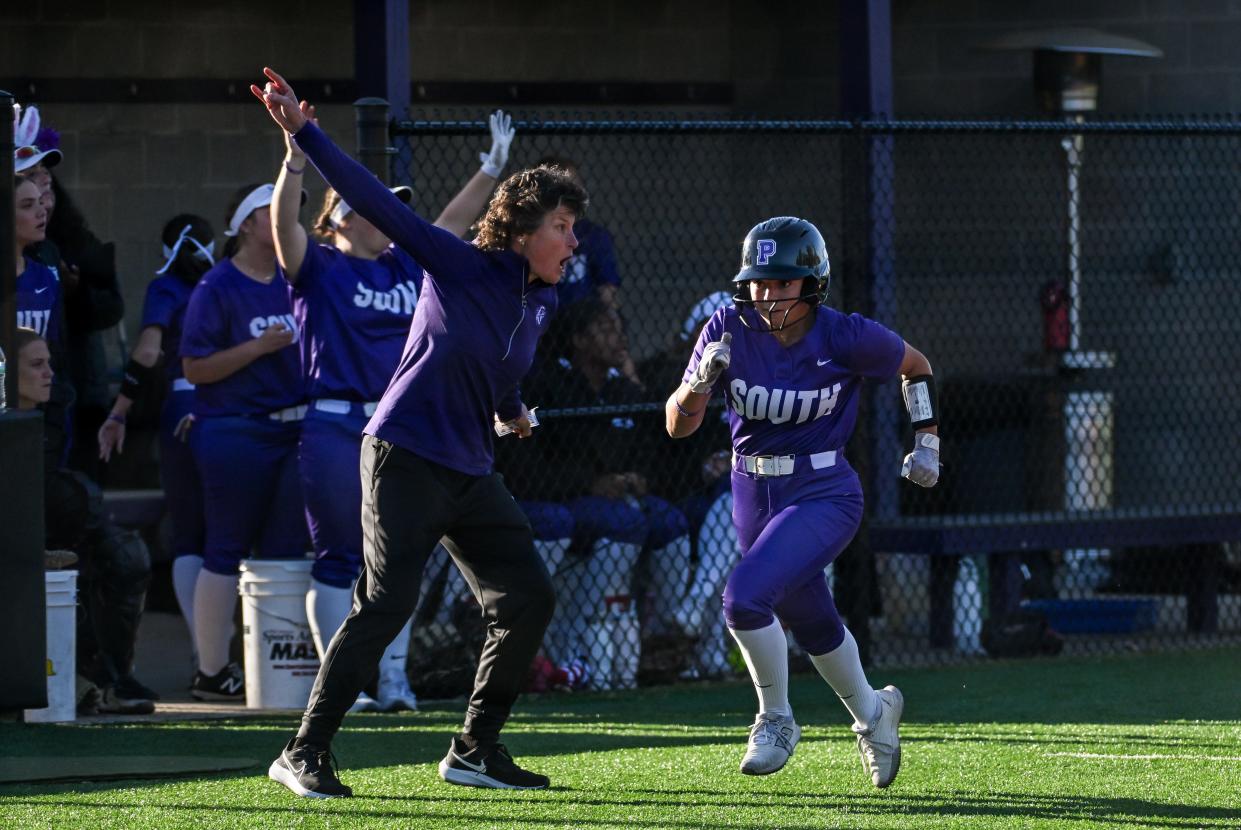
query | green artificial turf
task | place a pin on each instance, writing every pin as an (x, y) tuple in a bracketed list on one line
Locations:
[(1135, 741)]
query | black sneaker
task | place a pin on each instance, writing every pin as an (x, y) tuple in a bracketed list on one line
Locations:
[(487, 767), (226, 684), (307, 771), (113, 701), (131, 687)]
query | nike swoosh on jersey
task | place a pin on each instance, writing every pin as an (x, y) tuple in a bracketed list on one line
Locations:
[(40, 290), (824, 362), (481, 767)]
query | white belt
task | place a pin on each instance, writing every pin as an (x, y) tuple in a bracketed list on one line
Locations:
[(289, 413), (182, 385), (782, 465), (344, 407)]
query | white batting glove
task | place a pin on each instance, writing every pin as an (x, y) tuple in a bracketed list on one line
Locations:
[(922, 465), (501, 137), (715, 359)]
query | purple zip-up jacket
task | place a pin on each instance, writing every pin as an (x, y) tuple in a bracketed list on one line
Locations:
[(474, 332)]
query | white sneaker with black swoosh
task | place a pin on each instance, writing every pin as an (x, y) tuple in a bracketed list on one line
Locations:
[(487, 767)]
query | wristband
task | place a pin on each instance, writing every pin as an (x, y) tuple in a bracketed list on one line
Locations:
[(296, 171), (920, 400), (685, 413), (136, 376), (120, 419)]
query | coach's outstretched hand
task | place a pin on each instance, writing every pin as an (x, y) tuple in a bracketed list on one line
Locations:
[(715, 359), (922, 465), (281, 101)]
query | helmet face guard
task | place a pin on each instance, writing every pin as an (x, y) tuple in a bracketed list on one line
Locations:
[(782, 248)]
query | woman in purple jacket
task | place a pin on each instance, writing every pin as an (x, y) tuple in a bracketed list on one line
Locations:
[(353, 299), (427, 467)]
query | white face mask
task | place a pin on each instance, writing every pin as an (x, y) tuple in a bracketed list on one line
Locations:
[(205, 252)]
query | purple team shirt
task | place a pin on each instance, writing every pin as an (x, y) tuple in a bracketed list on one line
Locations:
[(474, 331), (354, 317), (166, 300), (228, 308), (802, 399), (39, 300)]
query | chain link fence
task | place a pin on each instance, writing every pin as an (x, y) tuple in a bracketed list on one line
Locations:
[(1074, 286)]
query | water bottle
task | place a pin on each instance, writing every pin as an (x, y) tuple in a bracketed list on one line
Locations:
[(3, 404)]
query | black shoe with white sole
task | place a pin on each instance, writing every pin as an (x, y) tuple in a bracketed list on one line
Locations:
[(487, 767), (308, 771), (226, 684)]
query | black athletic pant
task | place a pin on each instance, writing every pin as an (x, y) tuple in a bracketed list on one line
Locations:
[(408, 504)]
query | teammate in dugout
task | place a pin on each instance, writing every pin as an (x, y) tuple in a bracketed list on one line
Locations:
[(189, 251), (791, 369), (353, 299), (427, 470)]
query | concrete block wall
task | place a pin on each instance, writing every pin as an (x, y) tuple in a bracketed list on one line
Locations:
[(133, 165)]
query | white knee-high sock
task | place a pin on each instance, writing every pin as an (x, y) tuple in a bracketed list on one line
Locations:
[(184, 577), (326, 609), (215, 600), (393, 661), (842, 669), (766, 652)]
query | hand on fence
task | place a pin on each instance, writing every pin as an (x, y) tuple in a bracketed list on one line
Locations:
[(281, 101), (715, 359), (501, 137), (922, 465)]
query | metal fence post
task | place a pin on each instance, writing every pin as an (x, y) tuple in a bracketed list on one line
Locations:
[(8, 280), (374, 149)]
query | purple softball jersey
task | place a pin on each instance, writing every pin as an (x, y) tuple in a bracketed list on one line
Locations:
[(39, 300), (226, 309), (802, 399), (354, 316), (165, 304)]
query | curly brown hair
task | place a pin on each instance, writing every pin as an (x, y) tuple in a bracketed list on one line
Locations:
[(522, 200)]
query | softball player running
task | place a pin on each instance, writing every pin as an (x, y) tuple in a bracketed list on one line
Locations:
[(791, 370), (189, 251), (353, 300), (427, 468), (248, 410)]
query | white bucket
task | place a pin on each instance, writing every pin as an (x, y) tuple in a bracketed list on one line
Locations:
[(280, 657), (62, 639)]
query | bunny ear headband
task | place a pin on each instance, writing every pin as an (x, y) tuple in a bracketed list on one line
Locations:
[(26, 135)]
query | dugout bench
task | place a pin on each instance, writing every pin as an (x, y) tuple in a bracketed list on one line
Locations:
[(1003, 537)]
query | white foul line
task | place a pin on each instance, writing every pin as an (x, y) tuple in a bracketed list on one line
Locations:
[(1151, 757)]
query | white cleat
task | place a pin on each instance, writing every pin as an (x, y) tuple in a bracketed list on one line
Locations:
[(364, 703), (879, 742), (394, 694), (772, 739)]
